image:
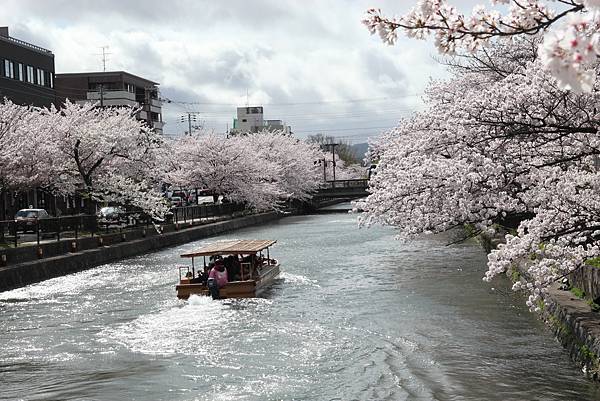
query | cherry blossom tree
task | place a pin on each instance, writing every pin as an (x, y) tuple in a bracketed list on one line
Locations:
[(499, 140), (571, 43), (224, 166), (105, 154), (260, 170), (297, 174), (23, 155)]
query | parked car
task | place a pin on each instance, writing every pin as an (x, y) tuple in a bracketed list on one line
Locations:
[(111, 215), (26, 219)]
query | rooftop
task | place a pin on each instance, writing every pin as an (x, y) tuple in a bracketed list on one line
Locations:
[(4, 36), (231, 248), (103, 74)]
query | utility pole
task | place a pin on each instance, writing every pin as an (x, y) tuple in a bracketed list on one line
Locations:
[(104, 55), (191, 115), (333, 145)]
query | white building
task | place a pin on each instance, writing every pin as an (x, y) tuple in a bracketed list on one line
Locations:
[(251, 120)]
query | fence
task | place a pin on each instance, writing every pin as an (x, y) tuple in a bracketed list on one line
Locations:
[(15, 232)]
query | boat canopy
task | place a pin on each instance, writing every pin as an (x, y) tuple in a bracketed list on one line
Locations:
[(236, 247)]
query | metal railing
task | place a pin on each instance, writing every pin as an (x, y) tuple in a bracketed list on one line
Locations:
[(35, 231), (359, 183), (192, 213)]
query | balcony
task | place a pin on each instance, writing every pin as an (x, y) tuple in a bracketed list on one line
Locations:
[(113, 98)]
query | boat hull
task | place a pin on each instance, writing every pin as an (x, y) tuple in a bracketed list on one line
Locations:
[(234, 289)]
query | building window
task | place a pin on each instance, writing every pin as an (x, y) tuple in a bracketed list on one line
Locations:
[(30, 77), (41, 77), (130, 88), (51, 77), (9, 71), (20, 71)]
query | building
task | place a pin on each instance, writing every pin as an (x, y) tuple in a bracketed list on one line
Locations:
[(251, 120), (113, 88), (26, 72)]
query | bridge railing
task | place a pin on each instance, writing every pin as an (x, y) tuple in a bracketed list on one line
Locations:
[(357, 183)]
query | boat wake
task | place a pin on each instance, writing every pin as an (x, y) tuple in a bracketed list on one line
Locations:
[(296, 279)]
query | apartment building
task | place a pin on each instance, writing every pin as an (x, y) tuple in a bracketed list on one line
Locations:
[(113, 88), (251, 120), (26, 72)]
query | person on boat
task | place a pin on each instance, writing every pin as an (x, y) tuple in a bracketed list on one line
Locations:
[(201, 279), (219, 273), (233, 268)]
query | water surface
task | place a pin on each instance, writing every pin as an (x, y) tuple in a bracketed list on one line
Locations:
[(355, 315)]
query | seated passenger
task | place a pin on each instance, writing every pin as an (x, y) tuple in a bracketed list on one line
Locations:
[(201, 279), (219, 273), (233, 268)]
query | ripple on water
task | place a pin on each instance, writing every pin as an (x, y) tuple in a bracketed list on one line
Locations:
[(355, 315)]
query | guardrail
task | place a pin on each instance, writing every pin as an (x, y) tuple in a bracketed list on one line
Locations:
[(13, 232)]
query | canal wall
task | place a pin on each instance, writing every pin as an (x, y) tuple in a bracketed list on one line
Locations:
[(576, 327), (569, 314), (69, 256)]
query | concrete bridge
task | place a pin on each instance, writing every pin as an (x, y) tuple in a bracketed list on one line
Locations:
[(350, 189)]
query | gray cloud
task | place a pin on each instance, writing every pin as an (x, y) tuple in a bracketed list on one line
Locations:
[(288, 55)]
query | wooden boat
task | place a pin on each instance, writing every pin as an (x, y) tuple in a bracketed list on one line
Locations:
[(252, 271)]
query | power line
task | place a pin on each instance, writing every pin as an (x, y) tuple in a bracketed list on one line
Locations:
[(191, 115), (167, 100), (342, 129)]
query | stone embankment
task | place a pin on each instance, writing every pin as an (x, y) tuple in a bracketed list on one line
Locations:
[(27, 265), (569, 313), (577, 328)]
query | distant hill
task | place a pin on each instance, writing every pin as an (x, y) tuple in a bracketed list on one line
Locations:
[(360, 149)]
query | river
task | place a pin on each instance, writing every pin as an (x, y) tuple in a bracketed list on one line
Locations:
[(356, 315)]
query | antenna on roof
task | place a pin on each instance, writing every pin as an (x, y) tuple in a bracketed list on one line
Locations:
[(104, 58)]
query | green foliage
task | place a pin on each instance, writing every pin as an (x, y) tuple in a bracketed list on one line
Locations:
[(515, 275), (594, 262), (593, 305), (541, 304), (578, 292), (470, 230), (587, 353)]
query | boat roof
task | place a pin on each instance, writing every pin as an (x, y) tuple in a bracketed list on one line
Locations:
[(231, 248)]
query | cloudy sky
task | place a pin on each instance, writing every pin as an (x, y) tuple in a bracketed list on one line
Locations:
[(311, 63)]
